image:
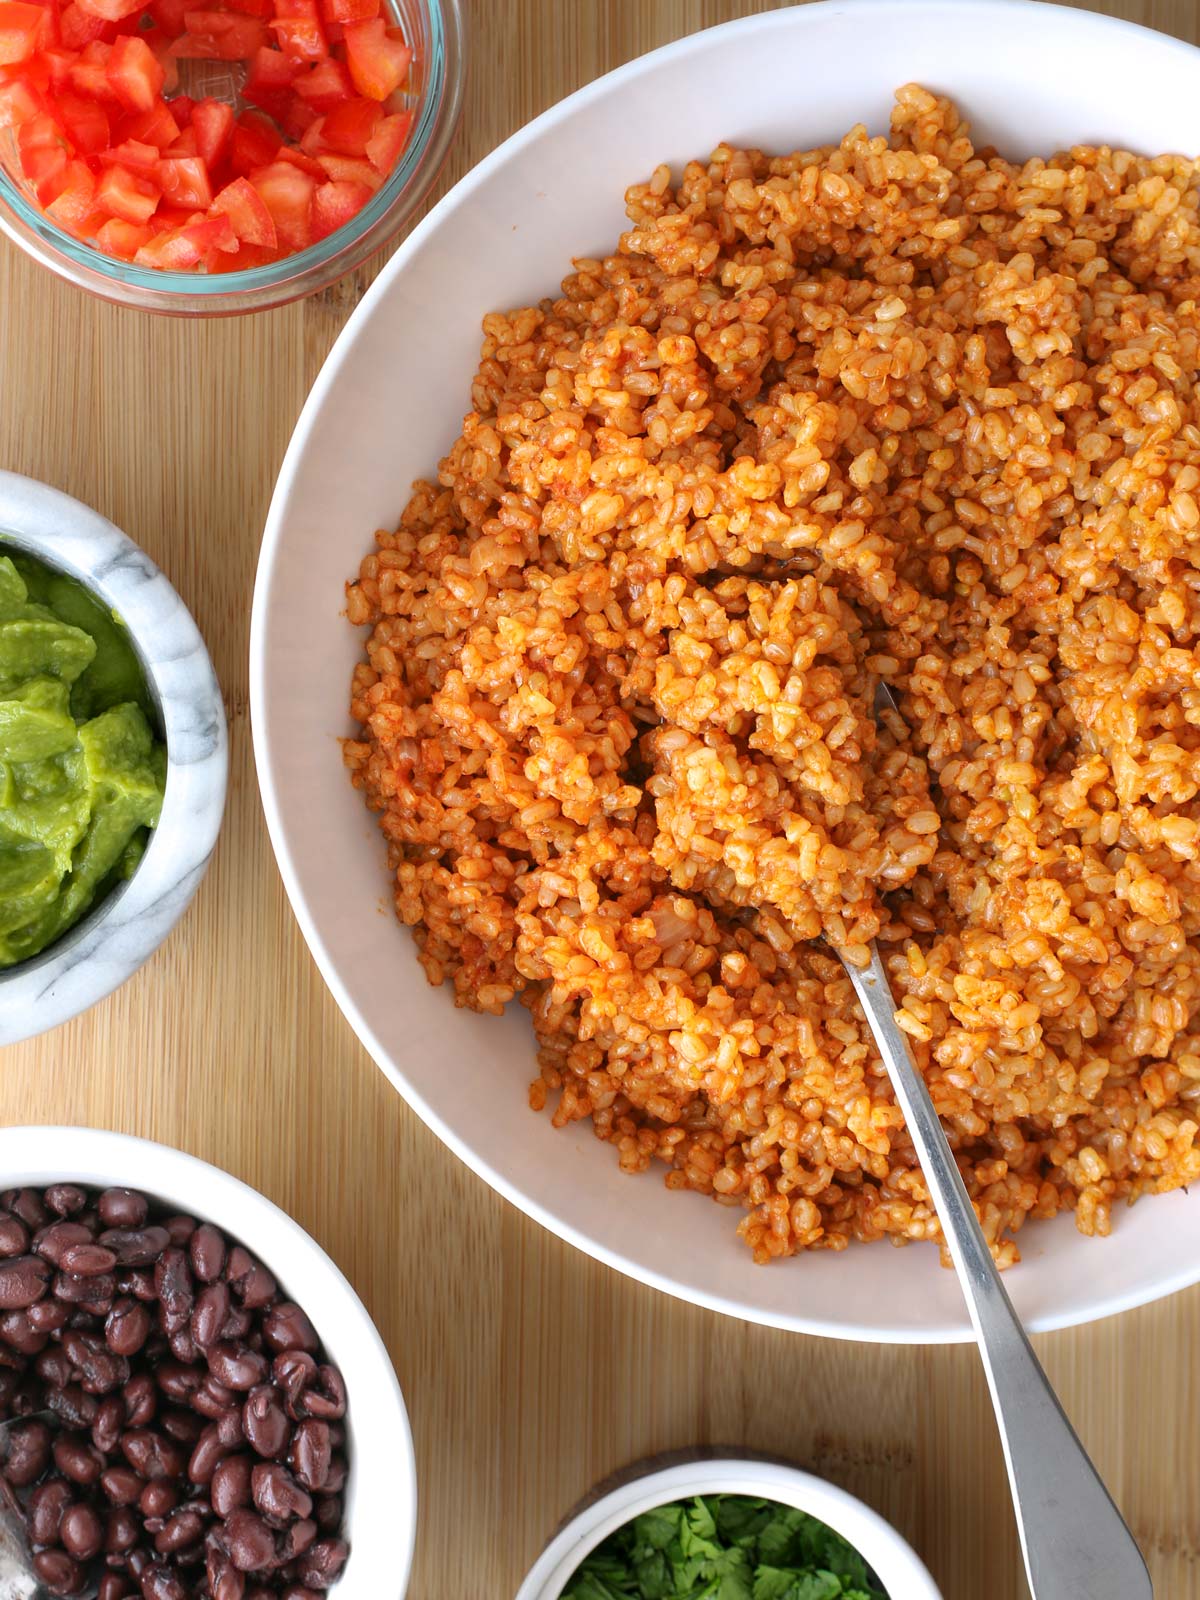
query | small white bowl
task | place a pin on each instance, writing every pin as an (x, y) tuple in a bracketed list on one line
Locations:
[(894, 1561), (117, 935), (381, 1489)]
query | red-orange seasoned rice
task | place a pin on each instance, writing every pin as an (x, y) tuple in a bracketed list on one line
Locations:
[(895, 410)]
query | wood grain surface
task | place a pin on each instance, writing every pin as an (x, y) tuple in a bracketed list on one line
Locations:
[(529, 1370)]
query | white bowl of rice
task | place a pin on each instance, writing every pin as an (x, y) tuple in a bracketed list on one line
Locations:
[(1071, 1086)]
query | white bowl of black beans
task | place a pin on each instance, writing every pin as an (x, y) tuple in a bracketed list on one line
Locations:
[(210, 1413)]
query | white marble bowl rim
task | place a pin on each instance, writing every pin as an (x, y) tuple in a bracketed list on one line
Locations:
[(894, 1561), (111, 942), (381, 1488)]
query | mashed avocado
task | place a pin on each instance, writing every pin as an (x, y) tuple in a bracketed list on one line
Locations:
[(81, 773)]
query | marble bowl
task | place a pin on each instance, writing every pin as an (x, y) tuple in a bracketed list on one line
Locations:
[(111, 942)]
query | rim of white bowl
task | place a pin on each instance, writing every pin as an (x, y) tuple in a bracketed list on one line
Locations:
[(895, 1563), (1105, 1304), (381, 1493), (118, 934)]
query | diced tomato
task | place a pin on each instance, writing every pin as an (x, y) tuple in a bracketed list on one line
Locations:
[(325, 86), (44, 168), (212, 123), (349, 169), (129, 195), (306, 163), (111, 10), (219, 36), (20, 25), (78, 27), (169, 251), (182, 109), (296, 118), (124, 239), (19, 103), (344, 11), (287, 194), (185, 182), (211, 233), (313, 142), (85, 121), (377, 56), (348, 126), (302, 38), (251, 8), (135, 73), (89, 74), (270, 79), (334, 204), (169, 15), (57, 66), (248, 255), (185, 145), (254, 143), (241, 202), (156, 126), (386, 143), (134, 157), (73, 201)]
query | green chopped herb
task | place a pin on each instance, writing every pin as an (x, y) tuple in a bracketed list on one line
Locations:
[(724, 1547)]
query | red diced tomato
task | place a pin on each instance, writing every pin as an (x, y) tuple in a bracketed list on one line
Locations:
[(135, 73), (169, 15), (89, 74), (296, 118), (212, 123), (211, 233), (111, 10), (326, 86), (134, 157), (378, 58), (185, 145), (185, 182), (57, 65), (156, 126), (388, 140), (124, 239), (86, 122), (241, 202), (251, 8), (306, 163), (349, 169), (20, 25), (73, 202), (254, 143), (248, 255), (169, 251), (270, 79), (334, 204), (219, 36), (313, 142), (182, 108), (43, 154), (348, 126), (287, 194), (302, 38), (78, 27), (343, 11), (19, 103), (129, 195)]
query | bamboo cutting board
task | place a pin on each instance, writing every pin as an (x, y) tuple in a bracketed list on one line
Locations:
[(530, 1371)]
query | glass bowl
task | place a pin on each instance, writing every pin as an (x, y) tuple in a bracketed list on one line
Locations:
[(434, 28)]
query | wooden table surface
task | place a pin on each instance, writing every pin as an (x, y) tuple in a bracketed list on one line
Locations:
[(530, 1371)]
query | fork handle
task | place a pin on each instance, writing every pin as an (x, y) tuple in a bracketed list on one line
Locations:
[(1075, 1543)]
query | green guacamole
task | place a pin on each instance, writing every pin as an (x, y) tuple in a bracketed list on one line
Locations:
[(81, 773)]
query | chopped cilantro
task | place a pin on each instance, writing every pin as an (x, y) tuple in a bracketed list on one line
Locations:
[(724, 1547)]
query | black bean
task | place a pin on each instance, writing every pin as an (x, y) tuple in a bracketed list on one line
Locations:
[(121, 1530), (26, 1204), (23, 1279), (19, 1333), (210, 1314), (72, 1406), (296, 1591), (123, 1208), (94, 1293), (136, 1247), (286, 1327), (53, 1366), (87, 1260), (27, 1452), (181, 1530), (213, 1398), (81, 1532), (225, 1582), (100, 1370), (294, 1371), (75, 1459), (139, 1283), (327, 1398), (48, 1316), (115, 1586), (58, 1571), (185, 1426), (50, 1242), (127, 1327), (177, 1382), (335, 1478), (251, 1543), (322, 1561), (141, 1399), (65, 1198), (45, 1508), (251, 1281), (276, 1494), (152, 1455), (14, 1236), (173, 1281), (236, 1367), (122, 1485), (159, 1499), (329, 1511), (230, 1429), (310, 1453), (206, 1249), (265, 1422), (230, 1485), (183, 1347), (295, 1540), (161, 1583), (109, 1420)]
